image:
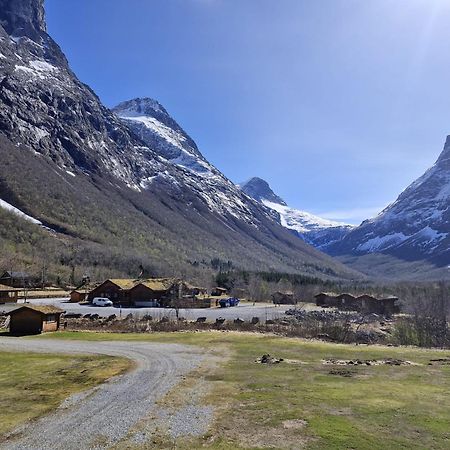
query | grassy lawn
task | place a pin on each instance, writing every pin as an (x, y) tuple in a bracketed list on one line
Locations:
[(32, 384), (303, 403)]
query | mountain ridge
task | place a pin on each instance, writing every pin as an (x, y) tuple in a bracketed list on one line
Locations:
[(416, 226), (110, 195)]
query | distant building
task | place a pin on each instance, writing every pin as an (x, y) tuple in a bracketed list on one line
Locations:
[(284, 298), (366, 304), (348, 302), (383, 306), (78, 295), (34, 319), (218, 291), (149, 292), (17, 279), (327, 299), (8, 294)]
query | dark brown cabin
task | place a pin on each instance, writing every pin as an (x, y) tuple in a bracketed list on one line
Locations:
[(348, 302), (284, 298), (218, 291), (327, 299), (34, 319), (117, 290), (383, 306), (17, 279)]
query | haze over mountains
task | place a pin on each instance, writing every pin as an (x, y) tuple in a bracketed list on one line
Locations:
[(116, 190)]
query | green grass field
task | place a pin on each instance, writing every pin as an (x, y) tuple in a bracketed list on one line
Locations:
[(303, 403), (33, 384)]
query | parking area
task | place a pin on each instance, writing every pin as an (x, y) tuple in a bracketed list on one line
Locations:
[(245, 310)]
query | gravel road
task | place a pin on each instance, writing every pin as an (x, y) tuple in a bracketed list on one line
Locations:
[(244, 311), (106, 414)]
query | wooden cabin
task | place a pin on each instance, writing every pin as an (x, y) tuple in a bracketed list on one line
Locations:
[(34, 319), (8, 294), (284, 298), (143, 292), (218, 291), (78, 295), (162, 292), (17, 279), (156, 292), (327, 299), (116, 289), (348, 302), (382, 306)]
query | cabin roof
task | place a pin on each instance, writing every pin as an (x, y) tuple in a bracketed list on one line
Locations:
[(43, 309), (158, 284)]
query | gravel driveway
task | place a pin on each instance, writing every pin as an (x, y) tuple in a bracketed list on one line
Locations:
[(104, 415)]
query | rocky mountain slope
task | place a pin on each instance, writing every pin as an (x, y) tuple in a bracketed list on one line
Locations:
[(321, 233), (415, 227), (107, 193)]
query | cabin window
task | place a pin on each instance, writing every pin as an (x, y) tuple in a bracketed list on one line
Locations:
[(51, 318)]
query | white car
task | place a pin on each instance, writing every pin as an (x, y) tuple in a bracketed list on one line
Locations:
[(99, 301)]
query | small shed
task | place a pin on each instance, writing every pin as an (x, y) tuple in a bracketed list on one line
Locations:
[(8, 294), (34, 319), (284, 298), (78, 295), (218, 291)]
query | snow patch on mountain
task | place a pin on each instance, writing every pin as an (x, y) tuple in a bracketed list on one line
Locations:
[(315, 230), (300, 221), (414, 227), (8, 207), (151, 122)]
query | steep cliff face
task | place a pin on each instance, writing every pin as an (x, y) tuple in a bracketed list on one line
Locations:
[(116, 185), (416, 226), (23, 18)]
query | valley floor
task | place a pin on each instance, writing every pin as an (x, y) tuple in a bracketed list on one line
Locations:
[(318, 397)]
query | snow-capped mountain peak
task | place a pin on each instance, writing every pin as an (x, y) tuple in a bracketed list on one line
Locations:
[(153, 124), (313, 229), (416, 225)]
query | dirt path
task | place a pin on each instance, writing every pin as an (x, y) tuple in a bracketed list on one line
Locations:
[(104, 415)]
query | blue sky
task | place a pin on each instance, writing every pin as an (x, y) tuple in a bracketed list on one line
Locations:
[(338, 104)]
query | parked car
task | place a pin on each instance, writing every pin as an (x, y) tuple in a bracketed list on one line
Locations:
[(99, 301), (227, 302)]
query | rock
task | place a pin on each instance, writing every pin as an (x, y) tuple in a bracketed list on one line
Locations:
[(220, 321), (111, 317), (239, 321), (201, 319), (255, 320), (267, 359)]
